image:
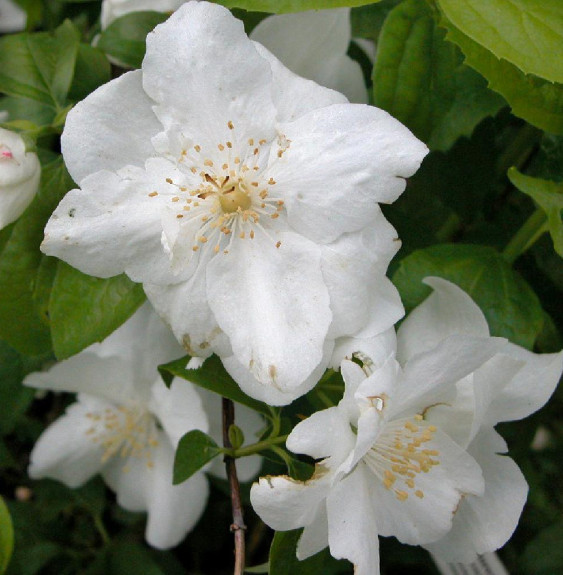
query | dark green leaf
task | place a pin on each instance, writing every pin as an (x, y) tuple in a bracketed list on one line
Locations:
[(193, 452), (511, 307), (39, 66), (125, 38), (421, 80), (367, 21), (527, 33), (22, 320), (212, 376), (92, 70), (538, 101), (544, 554), (549, 196), (284, 6), (128, 558), (6, 537), (85, 309)]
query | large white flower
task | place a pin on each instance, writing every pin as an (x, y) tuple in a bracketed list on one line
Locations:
[(12, 17), (410, 450), (126, 425), (20, 172), (241, 196)]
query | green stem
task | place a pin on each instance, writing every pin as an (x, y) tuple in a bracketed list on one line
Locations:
[(519, 150), (100, 527), (256, 447), (526, 236)]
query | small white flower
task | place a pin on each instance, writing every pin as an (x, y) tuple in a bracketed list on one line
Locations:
[(243, 197), (12, 17), (410, 451), (20, 172), (126, 425)]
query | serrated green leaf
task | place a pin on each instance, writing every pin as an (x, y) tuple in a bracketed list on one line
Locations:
[(285, 6), (511, 307), (527, 33), (23, 324), (39, 66), (194, 450), (125, 38), (421, 79), (85, 309), (534, 99), (549, 196), (6, 537), (212, 376)]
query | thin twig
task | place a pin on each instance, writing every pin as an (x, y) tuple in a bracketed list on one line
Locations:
[(238, 527)]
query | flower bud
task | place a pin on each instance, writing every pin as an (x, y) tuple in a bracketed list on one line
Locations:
[(236, 436), (19, 177)]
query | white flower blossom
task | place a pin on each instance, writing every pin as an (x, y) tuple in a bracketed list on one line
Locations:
[(126, 425), (20, 172), (243, 197), (12, 17), (410, 450)]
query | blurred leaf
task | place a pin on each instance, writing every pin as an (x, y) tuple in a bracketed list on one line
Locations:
[(85, 309), (39, 66), (421, 79), (511, 307), (527, 33), (92, 70), (128, 558), (212, 376), (194, 450), (544, 554), (549, 196), (125, 38), (548, 162), (538, 101), (264, 568), (284, 6), (22, 325), (6, 537)]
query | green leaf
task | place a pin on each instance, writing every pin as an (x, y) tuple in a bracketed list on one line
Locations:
[(421, 80), (128, 558), (6, 537), (284, 6), (92, 70), (283, 560), (549, 196), (194, 450), (367, 21), (534, 99), (544, 554), (23, 324), (85, 309), (125, 38), (39, 66), (511, 307), (527, 33), (212, 376)]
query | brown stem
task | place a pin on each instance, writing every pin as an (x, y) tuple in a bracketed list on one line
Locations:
[(237, 527)]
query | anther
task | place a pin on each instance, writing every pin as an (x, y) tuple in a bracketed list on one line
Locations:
[(153, 194)]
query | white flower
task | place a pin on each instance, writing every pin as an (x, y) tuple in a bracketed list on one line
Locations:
[(313, 44), (126, 425), (242, 196), (410, 451), (12, 17), (113, 9), (20, 172)]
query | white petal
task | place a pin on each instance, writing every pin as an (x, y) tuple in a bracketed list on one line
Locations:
[(111, 214), (530, 388), (268, 393), (352, 526), (284, 503), (446, 311), (430, 376), (294, 96), (360, 154), (273, 305), (173, 509), (130, 479), (419, 520), (315, 535), (203, 71), (485, 523), (376, 349), (178, 408), (110, 129), (12, 17), (65, 451), (326, 433), (15, 199), (313, 44)]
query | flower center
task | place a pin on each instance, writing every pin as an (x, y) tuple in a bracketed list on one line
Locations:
[(234, 199), (399, 455), (124, 431)]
